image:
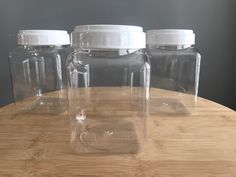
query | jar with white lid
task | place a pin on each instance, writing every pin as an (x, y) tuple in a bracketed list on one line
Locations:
[(38, 71), (175, 66), (108, 88)]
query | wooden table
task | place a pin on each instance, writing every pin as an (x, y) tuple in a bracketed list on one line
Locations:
[(199, 141)]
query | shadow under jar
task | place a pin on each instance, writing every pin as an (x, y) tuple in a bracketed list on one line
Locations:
[(38, 71), (108, 89)]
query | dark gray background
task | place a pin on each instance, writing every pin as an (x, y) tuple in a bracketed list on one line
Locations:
[(213, 21)]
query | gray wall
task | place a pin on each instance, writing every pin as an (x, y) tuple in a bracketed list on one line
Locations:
[(212, 20)]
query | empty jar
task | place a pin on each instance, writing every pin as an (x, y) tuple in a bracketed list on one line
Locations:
[(175, 66), (108, 88), (38, 71)]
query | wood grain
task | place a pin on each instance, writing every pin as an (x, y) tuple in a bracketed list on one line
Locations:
[(188, 140)]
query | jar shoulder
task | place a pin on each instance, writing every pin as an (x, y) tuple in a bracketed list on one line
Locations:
[(21, 52), (51, 52), (139, 55), (188, 51), (135, 60)]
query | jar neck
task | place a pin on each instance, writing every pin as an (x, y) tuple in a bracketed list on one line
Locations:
[(107, 52), (171, 47), (40, 46)]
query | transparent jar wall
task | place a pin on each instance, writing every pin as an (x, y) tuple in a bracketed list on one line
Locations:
[(107, 94), (37, 72), (175, 68)]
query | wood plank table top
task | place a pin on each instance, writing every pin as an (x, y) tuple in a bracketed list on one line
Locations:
[(197, 141)]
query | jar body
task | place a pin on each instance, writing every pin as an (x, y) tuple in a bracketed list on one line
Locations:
[(176, 68), (107, 94), (35, 71)]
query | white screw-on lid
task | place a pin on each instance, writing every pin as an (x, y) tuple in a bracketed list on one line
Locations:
[(108, 37), (170, 37), (43, 37)]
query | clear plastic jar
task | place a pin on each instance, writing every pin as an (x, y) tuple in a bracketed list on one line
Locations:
[(175, 66), (38, 67), (108, 88)]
